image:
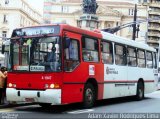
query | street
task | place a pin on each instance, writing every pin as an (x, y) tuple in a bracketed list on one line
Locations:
[(111, 106)]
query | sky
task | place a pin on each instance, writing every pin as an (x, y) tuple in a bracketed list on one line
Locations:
[(36, 4)]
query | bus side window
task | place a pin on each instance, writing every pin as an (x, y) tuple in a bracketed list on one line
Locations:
[(120, 55), (107, 52), (71, 55), (131, 57), (149, 59), (141, 58), (90, 50), (155, 60)]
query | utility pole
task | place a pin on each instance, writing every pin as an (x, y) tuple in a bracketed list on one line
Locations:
[(134, 25)]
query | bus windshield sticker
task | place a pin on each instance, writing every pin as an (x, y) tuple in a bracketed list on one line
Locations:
[(91, 70), (26, 68), (37, 68)]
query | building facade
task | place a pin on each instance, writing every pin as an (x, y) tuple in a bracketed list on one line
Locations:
[(16, 13), (154, 23), (110, 14)]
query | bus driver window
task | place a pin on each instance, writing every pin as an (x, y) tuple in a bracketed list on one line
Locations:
[(71, 53)]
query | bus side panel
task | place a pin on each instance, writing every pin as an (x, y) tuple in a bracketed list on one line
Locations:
[(74, 82), (115, 78), (134, 73), (99, 77), (150, 80)]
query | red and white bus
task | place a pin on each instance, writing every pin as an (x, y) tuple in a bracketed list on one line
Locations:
[(61, 64)]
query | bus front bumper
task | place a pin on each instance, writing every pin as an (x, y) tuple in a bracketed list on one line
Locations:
[(52, 96)]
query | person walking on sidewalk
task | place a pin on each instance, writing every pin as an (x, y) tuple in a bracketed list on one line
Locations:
[(3, 76)]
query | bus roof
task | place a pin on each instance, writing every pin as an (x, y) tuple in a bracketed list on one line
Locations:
[(129, 42), (81, 31)]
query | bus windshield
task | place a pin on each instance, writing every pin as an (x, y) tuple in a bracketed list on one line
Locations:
[(36, 54)]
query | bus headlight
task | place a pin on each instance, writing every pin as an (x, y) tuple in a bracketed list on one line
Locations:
[(52, 86), (10, 85), (14, 85)]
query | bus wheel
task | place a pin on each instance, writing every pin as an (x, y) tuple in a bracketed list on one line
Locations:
[(89, 96), (140, 91), (45, 105)]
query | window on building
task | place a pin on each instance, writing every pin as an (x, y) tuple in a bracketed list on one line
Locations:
[(141, 58), (90, 50), (107, 52), (139, 1), (5, 18), (131, 57), (65, 9), (79, 23), (130, 29), (144, 1), (4, 34), (47, 22), (120, 55), (131, 12), (117, 24), (108, 25), (6, 2), (149, 59)]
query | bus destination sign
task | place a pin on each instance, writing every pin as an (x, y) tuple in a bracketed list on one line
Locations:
[(32, 31)]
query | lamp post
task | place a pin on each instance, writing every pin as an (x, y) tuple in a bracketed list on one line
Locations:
[(134, 25)]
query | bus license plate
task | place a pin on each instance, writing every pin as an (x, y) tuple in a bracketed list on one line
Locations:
[(29, 99)]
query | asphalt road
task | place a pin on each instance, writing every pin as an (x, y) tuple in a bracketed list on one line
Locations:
[(110, 108)]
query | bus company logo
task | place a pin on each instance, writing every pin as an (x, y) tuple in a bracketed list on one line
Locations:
[(107, 70), (91, 70), (111, 71)]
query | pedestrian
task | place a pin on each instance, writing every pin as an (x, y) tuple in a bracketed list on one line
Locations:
[(3, 76)]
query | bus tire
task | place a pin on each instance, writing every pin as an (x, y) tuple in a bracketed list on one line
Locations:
[(140, 91), (45, 105), (89, 96)]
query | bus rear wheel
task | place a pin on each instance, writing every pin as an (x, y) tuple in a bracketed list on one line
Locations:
[(89, 96), (140, 91), (45, 105)]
